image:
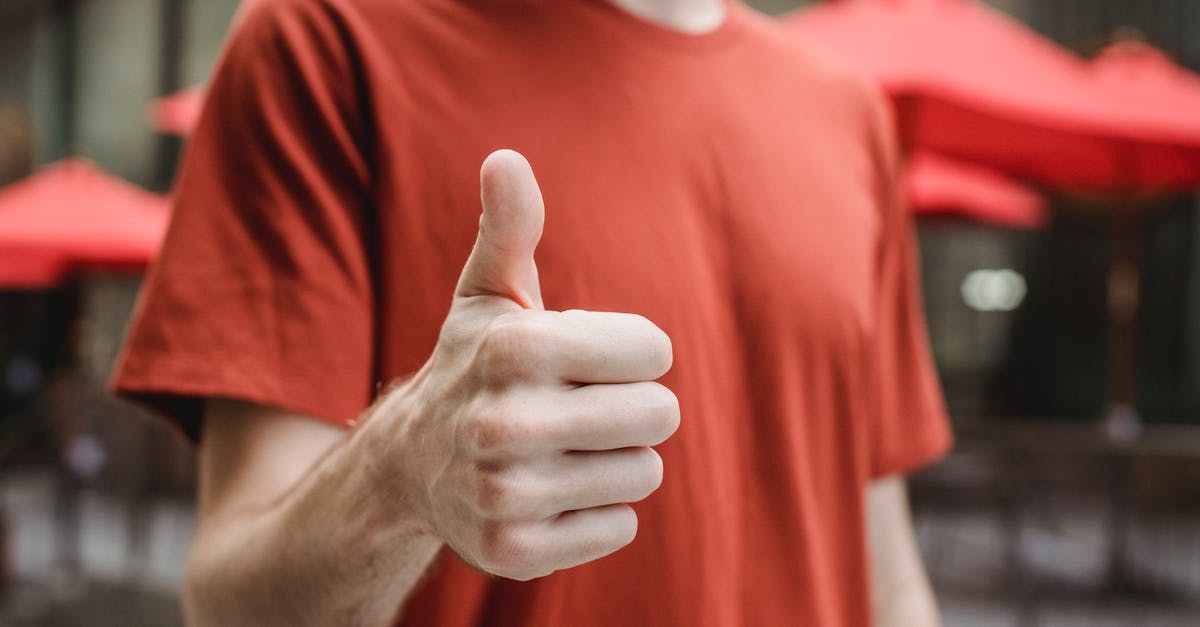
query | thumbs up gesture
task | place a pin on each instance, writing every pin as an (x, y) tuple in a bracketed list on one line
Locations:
[(524, 437)]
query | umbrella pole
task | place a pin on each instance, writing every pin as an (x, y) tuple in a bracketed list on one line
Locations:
[(1121, 421), (1123, 304)]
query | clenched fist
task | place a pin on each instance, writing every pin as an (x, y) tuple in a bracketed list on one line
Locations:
[(526, 434)]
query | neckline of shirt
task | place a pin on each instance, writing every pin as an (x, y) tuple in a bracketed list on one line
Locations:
[(653, 34)]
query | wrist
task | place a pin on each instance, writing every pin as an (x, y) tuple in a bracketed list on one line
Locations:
[(383, 448)]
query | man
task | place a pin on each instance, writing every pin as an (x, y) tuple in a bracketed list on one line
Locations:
[(387, 435)]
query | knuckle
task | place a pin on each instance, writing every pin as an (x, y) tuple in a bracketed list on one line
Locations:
[(499, 351), (510, 347), (508, 553), (492, 494), (501, 427), (501, 494), (491, 433)]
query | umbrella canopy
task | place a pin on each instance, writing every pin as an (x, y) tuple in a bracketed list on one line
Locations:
[(1137, 70), (936, 185), (177, 113), (1138, 67), (71, 216), (972, 83), (30, 270)]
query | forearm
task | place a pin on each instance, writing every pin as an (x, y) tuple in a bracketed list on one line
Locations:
[(910, 604), (326, 553), (900, 589)]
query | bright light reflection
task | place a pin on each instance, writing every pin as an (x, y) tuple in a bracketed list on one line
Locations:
[(993, 290)]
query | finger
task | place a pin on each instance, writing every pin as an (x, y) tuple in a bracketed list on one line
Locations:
[(605, 417), (613, 348), (537, 423), (583, 480), (576, 347), (501, 263), (564, 482), (579, 537)]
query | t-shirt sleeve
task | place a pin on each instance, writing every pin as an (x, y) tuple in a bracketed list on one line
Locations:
[(263, 289), (910, 425)]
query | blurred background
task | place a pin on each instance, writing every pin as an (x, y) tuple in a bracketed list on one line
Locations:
[(1054, 186)]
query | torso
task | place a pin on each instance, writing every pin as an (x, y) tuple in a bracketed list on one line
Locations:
[(722, 185)]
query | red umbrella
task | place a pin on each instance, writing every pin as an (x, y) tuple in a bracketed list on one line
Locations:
[(71, 215), (178, 113), (973, 83), (30, 270), (1136, 70), (936, 185)]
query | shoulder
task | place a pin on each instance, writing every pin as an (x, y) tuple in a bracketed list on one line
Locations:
[(285, 32), (266, 17), (318, 45), (849, 103), (347, 20), (365, 31), (804, 66)]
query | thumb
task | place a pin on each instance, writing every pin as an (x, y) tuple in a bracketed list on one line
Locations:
[(501, 264)]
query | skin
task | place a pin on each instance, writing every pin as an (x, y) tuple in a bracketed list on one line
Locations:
[(900, 591), (519, 444), (689, 16)]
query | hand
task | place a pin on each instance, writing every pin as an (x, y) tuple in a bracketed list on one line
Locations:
[(526, 434)]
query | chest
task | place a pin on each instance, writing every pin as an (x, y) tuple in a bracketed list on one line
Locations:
[(664, 196)]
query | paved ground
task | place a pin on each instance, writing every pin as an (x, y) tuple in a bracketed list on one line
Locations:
[(1062, 577), (124, 573), (111, 567)]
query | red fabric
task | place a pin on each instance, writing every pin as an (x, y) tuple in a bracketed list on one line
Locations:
[(1138, 70), (28, 269), (330, 196), (937, 185), (1141, 72), (178, 113), (71, 215), (972, 83)]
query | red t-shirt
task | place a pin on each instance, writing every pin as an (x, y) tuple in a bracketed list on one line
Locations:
[(734, 187)]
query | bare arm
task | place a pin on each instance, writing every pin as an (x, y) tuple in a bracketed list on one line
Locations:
[(518, 417), (286, 534), (901, 594)]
